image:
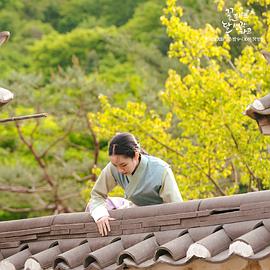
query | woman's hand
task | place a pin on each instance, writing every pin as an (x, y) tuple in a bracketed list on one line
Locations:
[(104, 225)]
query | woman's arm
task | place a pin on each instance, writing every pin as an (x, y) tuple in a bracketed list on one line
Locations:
[(169, 191), (104, 184)]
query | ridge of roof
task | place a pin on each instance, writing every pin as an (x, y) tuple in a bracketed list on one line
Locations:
[(184, 215), (163, 229)]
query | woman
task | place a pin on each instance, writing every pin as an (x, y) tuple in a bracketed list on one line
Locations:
[(147, 180)]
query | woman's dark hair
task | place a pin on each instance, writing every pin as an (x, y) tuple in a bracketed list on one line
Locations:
[(125, 144)]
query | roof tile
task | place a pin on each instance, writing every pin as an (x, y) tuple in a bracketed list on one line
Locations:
[(84, 230), (251, 206), (17, 260), (174, 234), (91, 235), (255, 197), (190, 222), (46, 257), (10, 244), (199, 233), (258, 238), (133, 239), (68, 226), (146, 264), (63, 266), (141, 212), (216, 242), (10, 251), (19, 238), (171, 227), (235, 230), (38, 246), (97, 243), (29, 223), (222, 202), (167, 236), (261, 254), (132, 226), (60, 232), (142, 230), (175, 248), (71, 218), (189, 207), (221, 257), (67, 244), (170, 261), (105, 256), (157, 222), (140, 252), (92, 227), (25, 232), (118, 215), (266, 223), (73, 257)]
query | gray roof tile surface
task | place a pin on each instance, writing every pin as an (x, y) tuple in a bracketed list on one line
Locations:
[(174, 234)]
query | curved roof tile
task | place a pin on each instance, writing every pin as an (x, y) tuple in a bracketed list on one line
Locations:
[(200, 231)]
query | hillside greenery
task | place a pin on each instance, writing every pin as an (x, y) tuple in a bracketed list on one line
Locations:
[(153, 68)]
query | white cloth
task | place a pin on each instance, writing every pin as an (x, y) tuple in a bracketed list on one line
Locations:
[(5, 96)]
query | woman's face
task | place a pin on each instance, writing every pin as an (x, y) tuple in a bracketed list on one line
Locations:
[(124, 164)]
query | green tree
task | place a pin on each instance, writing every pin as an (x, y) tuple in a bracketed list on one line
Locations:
[(213, 148), (118, 50), (45, 163), (68, 15), (148, 29), (130, 69)]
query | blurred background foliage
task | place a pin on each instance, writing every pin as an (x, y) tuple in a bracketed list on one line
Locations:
[(100, 66)]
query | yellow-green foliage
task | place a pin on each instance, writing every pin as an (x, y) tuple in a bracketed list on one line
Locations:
[(213, 148)]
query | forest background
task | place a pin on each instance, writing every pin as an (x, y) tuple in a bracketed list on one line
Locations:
[(166, 72)]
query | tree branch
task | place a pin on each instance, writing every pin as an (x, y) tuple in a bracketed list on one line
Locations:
[(34, 130), (18, 118), (251, 173), (96, 145), (20, 189), (47, 177), (57, 141), (234, 172), (234, 68), (192, 163), (58, 205), (70, 196), (85, 178), (232, 136)]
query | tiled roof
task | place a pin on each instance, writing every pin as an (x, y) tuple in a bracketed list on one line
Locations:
[(173, 234)]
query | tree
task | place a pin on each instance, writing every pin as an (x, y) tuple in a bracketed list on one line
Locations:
[(213, 148), (62, 152), (130, 69), (45, 163)]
